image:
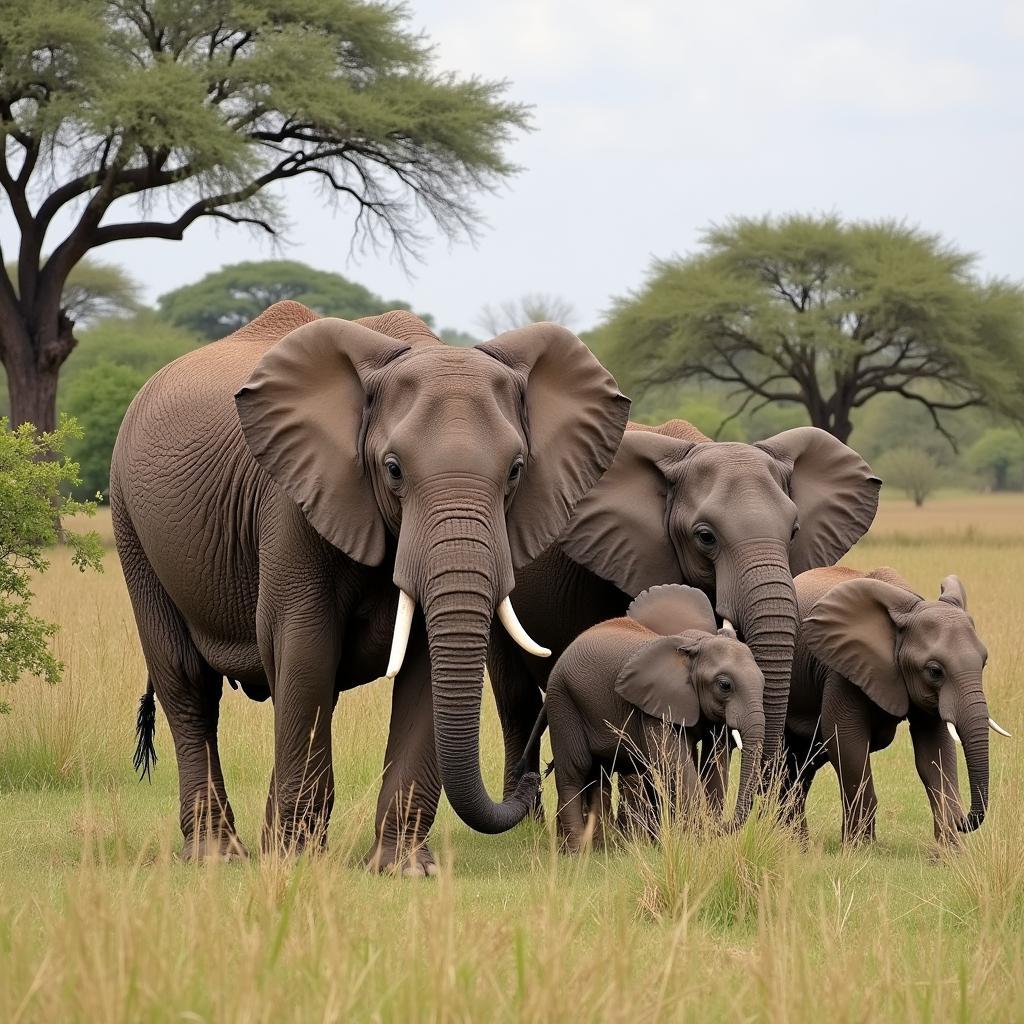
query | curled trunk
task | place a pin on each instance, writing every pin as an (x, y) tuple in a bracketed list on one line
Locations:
[(458, 603)]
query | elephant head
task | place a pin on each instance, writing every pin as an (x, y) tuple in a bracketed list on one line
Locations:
[(902, 650), (461, 463), (737, 520), (693, 671)]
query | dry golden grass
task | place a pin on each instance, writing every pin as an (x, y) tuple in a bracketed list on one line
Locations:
[(100, 922)]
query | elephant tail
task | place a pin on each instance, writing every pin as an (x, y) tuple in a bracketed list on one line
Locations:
[(533, 743), (145, 727)]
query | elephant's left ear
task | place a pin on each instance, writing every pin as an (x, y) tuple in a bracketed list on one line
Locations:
[(951, 591), (574, 419), (657, 680), (853, 629), (834, 490)]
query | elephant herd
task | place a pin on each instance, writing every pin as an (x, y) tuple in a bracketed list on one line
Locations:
[(277, 495)]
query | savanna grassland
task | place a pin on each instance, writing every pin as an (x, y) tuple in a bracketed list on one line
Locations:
[(99, 921)]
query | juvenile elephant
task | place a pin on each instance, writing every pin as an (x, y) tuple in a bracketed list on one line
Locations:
[(870, 654), (637, 693), (736, 520), (276, 494)]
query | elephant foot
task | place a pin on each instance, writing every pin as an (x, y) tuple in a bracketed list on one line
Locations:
[(224, 847), (398, 860)]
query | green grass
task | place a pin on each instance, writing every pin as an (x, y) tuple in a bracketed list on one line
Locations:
[(99, 921)]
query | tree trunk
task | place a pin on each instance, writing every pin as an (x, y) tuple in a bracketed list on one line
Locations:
[(33, 396), (33, 359)]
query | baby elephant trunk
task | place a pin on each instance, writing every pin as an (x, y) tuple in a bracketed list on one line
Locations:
[(752, 735)]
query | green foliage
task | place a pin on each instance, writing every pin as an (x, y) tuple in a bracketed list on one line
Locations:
[(229, 298), (143, 343), (97, 398), (823, 314), (912, 470), (114, 360), (34, 473), (999, 454)]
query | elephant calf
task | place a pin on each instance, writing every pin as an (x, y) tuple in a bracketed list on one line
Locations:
[(636, 693), (871, 653)]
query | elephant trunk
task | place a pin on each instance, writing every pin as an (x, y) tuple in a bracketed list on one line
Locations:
[(972, 725), (764, 603), (752, 734), (459, 599)]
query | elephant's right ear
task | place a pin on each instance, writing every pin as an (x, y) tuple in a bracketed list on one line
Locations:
[(672, 608), (620, 529), (853, 629), (657, 680), (302, 413)]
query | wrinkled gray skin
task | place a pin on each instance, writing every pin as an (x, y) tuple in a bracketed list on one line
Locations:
[(870, 654), (263, 535), (635, 695), (736, 520)]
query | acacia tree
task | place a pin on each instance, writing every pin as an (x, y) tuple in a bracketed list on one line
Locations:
[(197, 109), (825, 314)]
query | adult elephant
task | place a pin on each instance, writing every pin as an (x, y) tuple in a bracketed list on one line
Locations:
[(736, 520), (271, 491)]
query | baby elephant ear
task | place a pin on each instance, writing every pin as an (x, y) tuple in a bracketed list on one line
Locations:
[(853, 630), (673, 608), (951, 591), (657, 681)]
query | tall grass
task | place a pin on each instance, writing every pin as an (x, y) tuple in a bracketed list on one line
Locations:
[(100, 921)]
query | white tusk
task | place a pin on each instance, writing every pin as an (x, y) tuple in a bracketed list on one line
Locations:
[(736, 739), (996, 727), (726, 624), (952, 732), (403, 626), (515, 630)]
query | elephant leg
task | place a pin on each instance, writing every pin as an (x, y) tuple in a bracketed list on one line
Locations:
[(189, 692), (599, 807), (411, 786), (846, 728), (802, 759), (302, 680), (713, 764), (518, 701), (936, 762), (574, 768)]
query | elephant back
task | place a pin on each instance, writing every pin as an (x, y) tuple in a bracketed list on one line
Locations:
[(672, 608)]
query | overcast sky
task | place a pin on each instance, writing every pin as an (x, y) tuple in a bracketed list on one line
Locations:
[(655, 118)]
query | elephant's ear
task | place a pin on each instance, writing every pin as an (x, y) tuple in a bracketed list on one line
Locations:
[(574, 418), (951, 591), (657, 680), (673, 608), (853, 629), (302, 411), (620, 529), (834, 490)]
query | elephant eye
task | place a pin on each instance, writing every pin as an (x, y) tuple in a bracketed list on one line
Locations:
[(796, 530), (704, 536), (724, 684), (391, 464), (934, 672), (515, 472)]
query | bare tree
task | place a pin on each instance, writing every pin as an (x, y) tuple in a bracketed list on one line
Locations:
[(532, 308)]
